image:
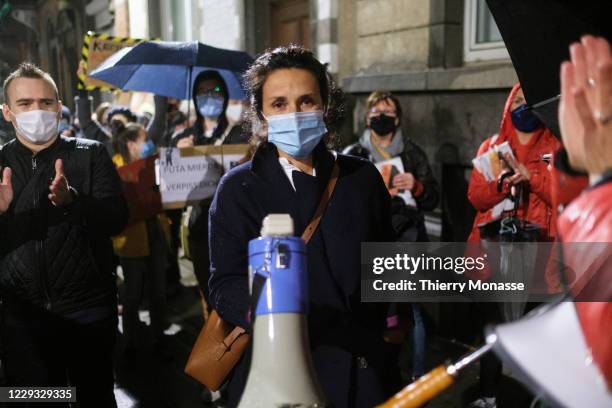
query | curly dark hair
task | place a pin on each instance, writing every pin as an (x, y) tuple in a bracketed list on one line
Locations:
[(293, 56)]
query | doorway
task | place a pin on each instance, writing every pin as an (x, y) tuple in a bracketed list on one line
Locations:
[(290, 22)]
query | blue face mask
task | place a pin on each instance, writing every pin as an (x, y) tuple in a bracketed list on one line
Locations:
[(298, 133), (210, 106), (147, 149), (524, 119)]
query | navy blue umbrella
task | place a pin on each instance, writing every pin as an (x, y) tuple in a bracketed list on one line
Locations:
[(170, 68)]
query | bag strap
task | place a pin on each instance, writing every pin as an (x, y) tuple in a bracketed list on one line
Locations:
[(258, 284), (316, 219), (259, 280)]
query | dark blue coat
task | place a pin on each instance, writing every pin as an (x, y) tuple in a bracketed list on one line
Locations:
[(345, 334)]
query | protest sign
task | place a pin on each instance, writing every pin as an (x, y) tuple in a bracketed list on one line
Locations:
[(389, 169), (490, 163), (96, 49), (190, 175)]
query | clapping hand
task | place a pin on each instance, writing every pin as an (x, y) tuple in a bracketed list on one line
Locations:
[(6, 190), (59, 190)]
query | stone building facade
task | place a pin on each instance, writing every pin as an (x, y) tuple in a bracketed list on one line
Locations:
[(444, 59)]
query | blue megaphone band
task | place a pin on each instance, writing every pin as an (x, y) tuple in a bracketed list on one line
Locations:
[(282, 261)]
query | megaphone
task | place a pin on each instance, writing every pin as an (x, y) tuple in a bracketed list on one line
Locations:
[(281, 372)]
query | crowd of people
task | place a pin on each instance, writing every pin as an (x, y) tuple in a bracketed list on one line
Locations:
[(65, 225)]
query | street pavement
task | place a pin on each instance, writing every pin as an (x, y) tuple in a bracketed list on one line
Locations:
[(149, 380)]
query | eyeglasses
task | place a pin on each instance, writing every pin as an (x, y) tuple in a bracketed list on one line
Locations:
[(216, 91), (386, 112)]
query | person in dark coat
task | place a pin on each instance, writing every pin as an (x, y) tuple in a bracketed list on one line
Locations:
[(290, 89), (416, 189), (60, 202), (211, 98)]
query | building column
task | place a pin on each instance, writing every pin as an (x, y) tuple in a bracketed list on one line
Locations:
[(325, 32), (223, 24)]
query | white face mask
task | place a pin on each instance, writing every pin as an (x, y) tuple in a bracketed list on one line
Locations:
[(38, 126), (234, 113)]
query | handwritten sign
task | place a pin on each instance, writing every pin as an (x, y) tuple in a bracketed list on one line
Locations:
[(190, 175)]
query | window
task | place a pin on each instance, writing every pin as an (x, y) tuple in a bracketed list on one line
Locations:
[(482, 40)]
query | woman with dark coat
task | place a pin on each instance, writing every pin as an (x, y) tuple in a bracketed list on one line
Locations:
[(296, 104), (416, 189)]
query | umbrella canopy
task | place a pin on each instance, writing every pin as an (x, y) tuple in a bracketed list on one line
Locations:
[(537, 35), (169, 68)]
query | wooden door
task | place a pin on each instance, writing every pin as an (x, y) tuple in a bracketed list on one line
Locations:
[(290, 21)]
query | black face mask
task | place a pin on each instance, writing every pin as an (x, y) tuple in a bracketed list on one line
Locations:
[(382, 124)]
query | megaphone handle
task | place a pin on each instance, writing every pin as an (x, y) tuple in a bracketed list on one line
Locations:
[(422, 390)]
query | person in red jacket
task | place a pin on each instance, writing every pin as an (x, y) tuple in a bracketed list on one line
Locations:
[(585, 118), (530, 141)]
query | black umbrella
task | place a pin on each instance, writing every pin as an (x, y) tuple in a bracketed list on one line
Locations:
[(537, 34)]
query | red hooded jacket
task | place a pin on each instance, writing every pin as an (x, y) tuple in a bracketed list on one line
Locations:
[(566, 185), (585, 228), (484, 195)]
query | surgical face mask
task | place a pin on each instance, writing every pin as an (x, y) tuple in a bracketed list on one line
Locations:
[(147, 149), (38, 126), (524, 119), (382, 124), (210, 106), (234, 113), (296, 133)]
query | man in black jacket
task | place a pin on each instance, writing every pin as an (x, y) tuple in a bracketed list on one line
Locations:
[(60, 201)]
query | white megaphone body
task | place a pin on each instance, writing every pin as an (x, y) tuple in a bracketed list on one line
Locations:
[(281, 372)]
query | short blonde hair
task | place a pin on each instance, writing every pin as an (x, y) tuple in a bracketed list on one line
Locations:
[(378, 96)]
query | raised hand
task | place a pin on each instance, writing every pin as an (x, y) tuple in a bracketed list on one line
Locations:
[(81, 71), (585, 110), (6, 190), (59, 190), (185, 142)]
